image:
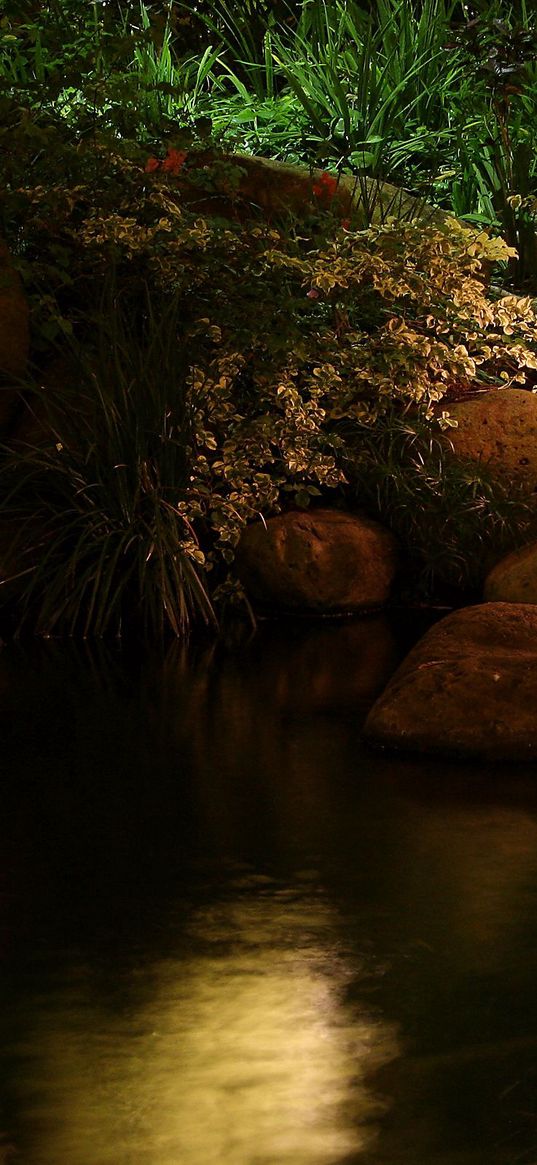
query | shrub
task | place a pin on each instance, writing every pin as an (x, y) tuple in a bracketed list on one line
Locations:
[(267, 361)]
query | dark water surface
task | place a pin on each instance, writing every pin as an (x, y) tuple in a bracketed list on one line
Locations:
[(232, 935)]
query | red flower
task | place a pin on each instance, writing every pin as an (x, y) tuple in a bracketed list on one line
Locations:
[(325, 187), (172, 164), (346, 222), (174, 161)]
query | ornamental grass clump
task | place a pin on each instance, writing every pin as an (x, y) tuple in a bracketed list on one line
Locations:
[(101, 540)]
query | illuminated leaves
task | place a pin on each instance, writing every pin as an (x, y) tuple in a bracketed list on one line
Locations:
[(300, 337)]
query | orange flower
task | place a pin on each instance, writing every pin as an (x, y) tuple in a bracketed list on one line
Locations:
[(151, 164), (325, 187), (174, 161)]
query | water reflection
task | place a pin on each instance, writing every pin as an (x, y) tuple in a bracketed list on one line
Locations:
[(260, 732), (241, 1049), (230, 934)]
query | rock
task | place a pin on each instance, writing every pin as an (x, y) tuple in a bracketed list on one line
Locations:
[(279, 186), (468, 688), (514, 578), (272, 187), (317, 561), (14, 332), (499, 429)]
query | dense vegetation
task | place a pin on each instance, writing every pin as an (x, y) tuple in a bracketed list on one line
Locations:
[(216, 366)]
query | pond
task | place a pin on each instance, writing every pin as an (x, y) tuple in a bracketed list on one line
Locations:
[(230, 934)]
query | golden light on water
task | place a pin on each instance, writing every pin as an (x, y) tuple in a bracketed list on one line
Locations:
[(244, 1052)]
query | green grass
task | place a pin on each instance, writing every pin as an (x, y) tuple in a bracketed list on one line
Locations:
[(388, 92)]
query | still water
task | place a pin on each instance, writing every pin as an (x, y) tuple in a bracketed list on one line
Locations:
[(232, 935)]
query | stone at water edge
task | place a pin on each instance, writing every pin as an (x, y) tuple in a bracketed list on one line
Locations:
[(467, 689), (514, 578), (499, 429), (317, 561)]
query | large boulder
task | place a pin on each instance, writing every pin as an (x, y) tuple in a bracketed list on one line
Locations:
[(468, 688), (318, 561), (281, 186), (499, 429), (268, 187), (514, 578), (14, 333)]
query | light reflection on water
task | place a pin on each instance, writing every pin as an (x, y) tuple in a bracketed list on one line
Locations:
[(244, 1050)]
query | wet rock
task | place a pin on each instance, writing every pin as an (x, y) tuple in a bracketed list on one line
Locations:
[(468, 688), (14, 332), (499, 428), (514, 578), (319, 561)]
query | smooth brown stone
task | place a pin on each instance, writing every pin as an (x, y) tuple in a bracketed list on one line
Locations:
[(514, 578), (468, 688), (319, 561), (499, 430)]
